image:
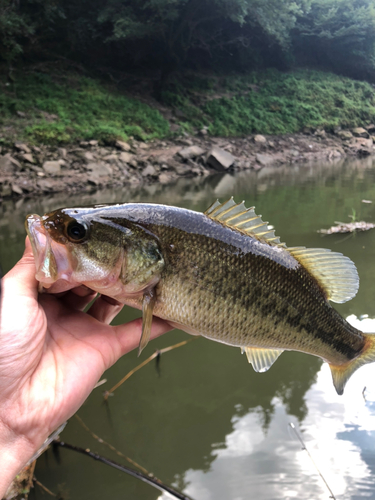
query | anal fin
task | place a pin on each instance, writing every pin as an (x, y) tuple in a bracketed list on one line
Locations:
[(149, 299), (261, 359)]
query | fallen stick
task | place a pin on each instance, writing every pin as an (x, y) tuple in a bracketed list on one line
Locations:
[(139, 475)]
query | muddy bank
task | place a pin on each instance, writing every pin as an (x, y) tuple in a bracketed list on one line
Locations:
[(27, 170)]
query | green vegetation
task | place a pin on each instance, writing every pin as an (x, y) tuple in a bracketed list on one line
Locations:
[(274, 52), (272, 102), (69, 107)]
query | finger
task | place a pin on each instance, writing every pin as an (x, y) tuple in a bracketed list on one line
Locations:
[(78, 298), (129, 334), (105, 309), (20, 280)]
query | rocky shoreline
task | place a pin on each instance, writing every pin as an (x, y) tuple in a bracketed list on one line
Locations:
[(27, 170)]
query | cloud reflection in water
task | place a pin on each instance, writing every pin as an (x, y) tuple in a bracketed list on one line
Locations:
[(339, 432)]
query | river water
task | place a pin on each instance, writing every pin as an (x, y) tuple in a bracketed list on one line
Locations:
[(203, 420)]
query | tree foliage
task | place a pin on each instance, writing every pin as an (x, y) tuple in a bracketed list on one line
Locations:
[(340, 35), (219, 34)]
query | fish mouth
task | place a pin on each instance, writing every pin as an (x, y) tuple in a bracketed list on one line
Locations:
[(53, 267)]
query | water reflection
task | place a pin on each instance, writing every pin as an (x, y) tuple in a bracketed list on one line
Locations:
[(208, 423), (339, 433)]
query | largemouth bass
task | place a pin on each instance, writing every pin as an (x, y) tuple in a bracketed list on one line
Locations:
[(222, 274)]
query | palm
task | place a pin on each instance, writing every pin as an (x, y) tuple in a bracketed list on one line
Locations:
[(53, 353)]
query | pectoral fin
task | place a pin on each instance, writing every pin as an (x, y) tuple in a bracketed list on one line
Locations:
[(149, 299), (261, 359)]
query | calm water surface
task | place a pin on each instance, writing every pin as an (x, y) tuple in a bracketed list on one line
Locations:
[(205, 422)]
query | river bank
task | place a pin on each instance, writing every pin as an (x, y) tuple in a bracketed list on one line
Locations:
[(27, 170)]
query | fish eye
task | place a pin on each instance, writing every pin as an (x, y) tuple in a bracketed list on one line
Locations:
[(76, 231)]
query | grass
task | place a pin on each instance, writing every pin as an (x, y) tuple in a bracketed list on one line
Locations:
[(267, 102), (83, 109), (272, 102)]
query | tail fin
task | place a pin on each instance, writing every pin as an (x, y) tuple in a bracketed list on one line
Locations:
[(342, 373)]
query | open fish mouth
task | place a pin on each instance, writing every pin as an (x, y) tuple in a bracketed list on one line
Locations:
[(51, 259)]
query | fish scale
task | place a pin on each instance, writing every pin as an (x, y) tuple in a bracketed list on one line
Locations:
[(222, 274)]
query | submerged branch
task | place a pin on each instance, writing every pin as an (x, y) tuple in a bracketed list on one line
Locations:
[(112, 448), (139, 475), (144, 363)]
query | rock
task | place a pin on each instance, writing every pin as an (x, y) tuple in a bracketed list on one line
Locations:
[(260, 139), (93, 143), (186, 142), (219, 159), (62, 152), (45, 185), (21, 114), (182, 169), (143, 145), (88, 156), (334, 154), (370, 128), (367, 143), (362, 151), (100, 169), (320, 133), (6, 165), (5, 190), (264, 160), (345, 135), (124, 146), (164, 178), (94, 180), (52, 167), (15, 162), (360, 132), (28, 157), (148, 171), (191, 152), (34, 168), (126, 157), (294, 152), (21, 146), (16, 189), (111, 158)]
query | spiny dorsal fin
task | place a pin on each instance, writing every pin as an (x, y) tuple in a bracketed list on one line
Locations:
[(261, 359), (335, 273), (238, 217)]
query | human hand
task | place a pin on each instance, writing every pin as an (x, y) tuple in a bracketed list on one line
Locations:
[(51, 356)]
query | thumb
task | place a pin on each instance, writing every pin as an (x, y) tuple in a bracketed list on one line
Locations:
[(20, 280)]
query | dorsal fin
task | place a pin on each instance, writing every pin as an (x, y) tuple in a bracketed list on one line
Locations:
[(261, 359), (245, 220), (335, 273)]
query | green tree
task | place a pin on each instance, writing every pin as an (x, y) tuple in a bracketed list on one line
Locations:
[(14, 27), (339, 35)]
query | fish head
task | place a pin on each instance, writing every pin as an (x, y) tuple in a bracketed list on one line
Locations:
[(72, 250), (78, 246)]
